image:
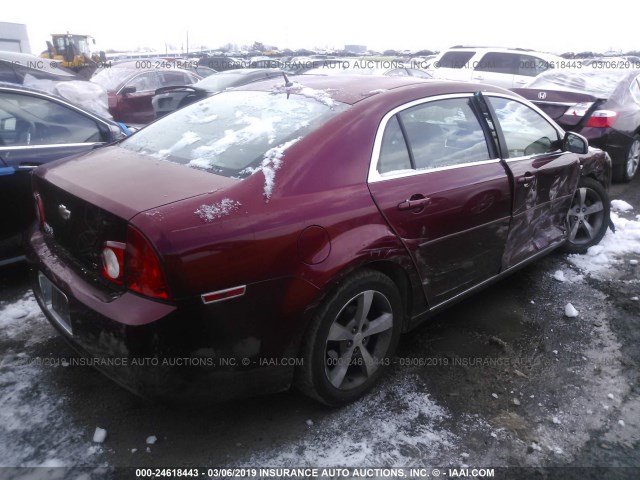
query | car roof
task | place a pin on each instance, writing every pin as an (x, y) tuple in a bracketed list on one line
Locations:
[(351, 89)]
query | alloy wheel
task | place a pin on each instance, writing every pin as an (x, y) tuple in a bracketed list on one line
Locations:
[(633, 159), (586, 216), (358, 340)]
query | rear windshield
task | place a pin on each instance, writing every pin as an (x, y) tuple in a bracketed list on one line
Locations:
[(600, 83), (230, 133)]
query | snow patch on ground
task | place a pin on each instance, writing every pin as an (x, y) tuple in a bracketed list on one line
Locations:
[(33, 430), (394, 433), (620, 206), (212, 212), (17, 321), (599, 258)]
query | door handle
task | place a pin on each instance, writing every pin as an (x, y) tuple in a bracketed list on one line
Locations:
[(414, 202), (524, 181)]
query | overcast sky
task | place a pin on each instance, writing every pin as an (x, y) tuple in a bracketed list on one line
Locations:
[(545, 25)]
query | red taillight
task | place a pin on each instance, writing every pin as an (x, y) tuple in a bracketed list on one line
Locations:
[(602, 119), (113, 261), (144, 272), (135, 265), (39, 209)]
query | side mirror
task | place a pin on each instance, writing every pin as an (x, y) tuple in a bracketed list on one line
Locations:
[(128, 90), (575, 143)]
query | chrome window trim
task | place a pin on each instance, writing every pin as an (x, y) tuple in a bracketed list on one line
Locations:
[(374, 176), (49, 145)]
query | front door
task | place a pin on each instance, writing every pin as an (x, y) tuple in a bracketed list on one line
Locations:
[(544, 179)]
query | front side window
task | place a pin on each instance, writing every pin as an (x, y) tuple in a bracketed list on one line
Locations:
[(525, 131), (171, 79), (144, 82), (230, 133), (30, 120)]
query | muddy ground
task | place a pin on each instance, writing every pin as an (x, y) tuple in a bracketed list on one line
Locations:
[(503, 379)]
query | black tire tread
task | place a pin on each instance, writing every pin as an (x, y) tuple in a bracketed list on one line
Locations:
[(304, 377)]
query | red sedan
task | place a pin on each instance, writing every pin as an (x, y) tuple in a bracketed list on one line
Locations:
[(287, 233), (131, 86)]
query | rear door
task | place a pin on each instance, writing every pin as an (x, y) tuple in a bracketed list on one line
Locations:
[(443, 190), (543, 178)]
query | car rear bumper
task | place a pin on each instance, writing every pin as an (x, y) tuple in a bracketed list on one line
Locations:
[(160, 350)]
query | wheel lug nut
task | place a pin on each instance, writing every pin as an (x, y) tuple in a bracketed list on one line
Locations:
[(349, 343), (354, 330)]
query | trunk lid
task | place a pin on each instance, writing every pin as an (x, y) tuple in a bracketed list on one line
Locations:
[(566, 107), (89, 199), (126, 183)]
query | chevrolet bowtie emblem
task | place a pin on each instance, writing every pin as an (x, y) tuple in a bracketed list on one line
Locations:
[(64, 212)]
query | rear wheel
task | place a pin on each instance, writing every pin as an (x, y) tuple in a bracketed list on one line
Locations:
[(588, 217), (627, 170), (351, 339)]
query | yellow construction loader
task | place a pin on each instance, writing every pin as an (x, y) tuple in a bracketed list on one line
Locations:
[(74, 52)]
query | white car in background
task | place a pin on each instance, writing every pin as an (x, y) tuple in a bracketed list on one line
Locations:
[(502, 67)]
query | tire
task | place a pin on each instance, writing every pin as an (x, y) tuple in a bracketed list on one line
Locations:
[(628, 168), (342, 359), (588, 217)]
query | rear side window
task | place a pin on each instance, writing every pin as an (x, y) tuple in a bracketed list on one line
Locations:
[(394, 155), (454, 59), (444, 133), (499, 63), (531, 66), (441, 133), (525, 131)]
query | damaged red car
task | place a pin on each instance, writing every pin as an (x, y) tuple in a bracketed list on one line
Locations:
[(287, 232)]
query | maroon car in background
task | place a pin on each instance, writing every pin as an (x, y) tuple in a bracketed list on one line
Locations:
[(131, 85), (602, 105), (286, 233)]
